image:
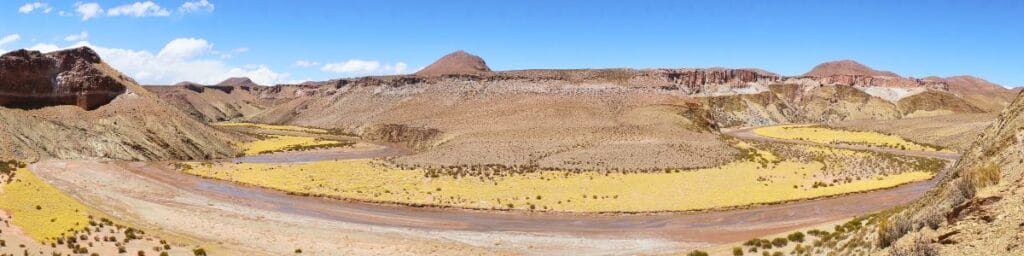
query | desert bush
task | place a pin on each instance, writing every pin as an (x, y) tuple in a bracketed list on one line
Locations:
[(780, 242), (199, 252), (697, 253), (736, 251), (796, 237), (918, 246)]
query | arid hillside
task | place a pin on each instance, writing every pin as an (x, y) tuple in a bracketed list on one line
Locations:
[(587, 118), (981, 93), (976, 210), (956, 131), (70, 105)]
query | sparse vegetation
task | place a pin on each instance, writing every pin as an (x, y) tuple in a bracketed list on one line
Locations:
[(760, 177), (281, 143), (824, 135)]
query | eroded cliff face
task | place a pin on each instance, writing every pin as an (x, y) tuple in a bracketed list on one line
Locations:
[(70, 105), (32, 80)]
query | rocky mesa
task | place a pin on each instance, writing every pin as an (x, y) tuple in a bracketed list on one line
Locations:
[(34, 80), (69, 104)]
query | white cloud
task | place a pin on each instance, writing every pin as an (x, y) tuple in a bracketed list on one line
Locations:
[(29, 7), (44, 47), (139, 9), (195, 6), (9, 39), (149, 68), (363, 67), (306, 63), (77, 37), (88, 10), (240, 50), (185, 48)]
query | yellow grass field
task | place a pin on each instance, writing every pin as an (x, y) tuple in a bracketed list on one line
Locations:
[(42, 211), (275, 127), (829, 136), (737, 184), (282, 143)]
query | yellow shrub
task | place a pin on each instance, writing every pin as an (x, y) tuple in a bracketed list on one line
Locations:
[(828, 136), (281, 143), (986, 175)]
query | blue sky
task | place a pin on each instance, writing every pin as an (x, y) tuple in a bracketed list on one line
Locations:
[(165, 41)]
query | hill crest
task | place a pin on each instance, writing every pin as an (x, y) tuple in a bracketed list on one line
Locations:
[(846, 67), (458, 62)]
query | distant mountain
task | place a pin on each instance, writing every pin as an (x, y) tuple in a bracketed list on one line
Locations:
[(238, 81), (979, 92), (846, 67), (458, 62)]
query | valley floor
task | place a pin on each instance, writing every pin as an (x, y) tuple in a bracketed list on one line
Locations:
[(241, 218)]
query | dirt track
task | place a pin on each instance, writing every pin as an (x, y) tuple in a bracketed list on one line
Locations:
[(246, 217)]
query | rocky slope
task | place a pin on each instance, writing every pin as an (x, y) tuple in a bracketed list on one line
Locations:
[(231, 99), (458, 62), (106, 116), (976, 209)]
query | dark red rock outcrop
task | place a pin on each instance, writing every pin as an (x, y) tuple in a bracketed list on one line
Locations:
[(31, 80), (458, 62)]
